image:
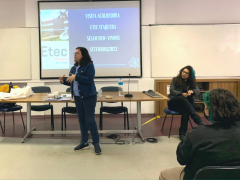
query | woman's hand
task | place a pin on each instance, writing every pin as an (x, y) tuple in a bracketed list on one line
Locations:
[(190, 92), (185, 94), (61, 78), (71, 78)]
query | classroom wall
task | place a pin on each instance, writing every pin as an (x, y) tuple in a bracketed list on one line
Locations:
[(12, 14), (23, 13), (197, 11)]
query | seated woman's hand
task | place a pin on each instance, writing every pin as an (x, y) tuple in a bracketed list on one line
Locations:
[(190, 92), (185, 94)]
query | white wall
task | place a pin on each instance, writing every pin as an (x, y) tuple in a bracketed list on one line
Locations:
[(12, 13), (197, 11), (16, 13)]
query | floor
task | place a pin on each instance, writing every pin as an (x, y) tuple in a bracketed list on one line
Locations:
[(151, 129), (52, 156)]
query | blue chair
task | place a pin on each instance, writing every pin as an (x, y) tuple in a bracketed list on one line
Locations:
[(218, 172), (11, 109), (171, 112), (67, 109), (113, 110), (43, 89)]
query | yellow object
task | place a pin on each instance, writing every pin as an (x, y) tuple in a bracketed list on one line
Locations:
[(15, 87), (150, 120), (4, 88)]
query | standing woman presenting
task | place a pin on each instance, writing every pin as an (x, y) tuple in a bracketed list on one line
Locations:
[(81, 80), (182, 89)]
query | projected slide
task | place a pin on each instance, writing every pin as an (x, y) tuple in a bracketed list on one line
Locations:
[(55, 39), (111, 35)]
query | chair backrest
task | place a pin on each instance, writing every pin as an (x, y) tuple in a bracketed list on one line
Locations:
[(68, 90), (218, 172), (110, 88), (41, 89)]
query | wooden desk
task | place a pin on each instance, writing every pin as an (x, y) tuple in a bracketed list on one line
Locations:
[(41, 97)]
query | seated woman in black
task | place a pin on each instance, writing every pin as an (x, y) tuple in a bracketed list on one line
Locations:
[(182, 90), (217, 144)]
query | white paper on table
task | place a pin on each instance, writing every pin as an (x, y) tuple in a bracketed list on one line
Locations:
[(9, 96), (168, 89), (18, 93), (66, 96), (65, 99)]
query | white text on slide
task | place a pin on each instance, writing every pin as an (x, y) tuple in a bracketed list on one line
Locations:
[(103, 49), (103, 38), (102, 15), (104, 27)]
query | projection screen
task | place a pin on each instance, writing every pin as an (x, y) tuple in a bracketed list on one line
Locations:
[(110, 30)]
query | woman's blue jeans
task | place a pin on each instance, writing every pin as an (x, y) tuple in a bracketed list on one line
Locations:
[(86, 112)]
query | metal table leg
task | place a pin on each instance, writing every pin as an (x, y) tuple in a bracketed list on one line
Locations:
[(29, 130), (139, 120), (32, 131)]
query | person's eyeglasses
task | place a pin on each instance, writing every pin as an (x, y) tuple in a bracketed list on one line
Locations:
[(75, 53), (184, 72)]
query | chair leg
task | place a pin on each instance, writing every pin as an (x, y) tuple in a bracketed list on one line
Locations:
[(164, 122), (52, 120), (4, 124), (22, 120), (100, 122), (124, 121), (170, 127), (62, 121), (190, 122), (65, 120), (1, 126), (13, 118), (127, 120)]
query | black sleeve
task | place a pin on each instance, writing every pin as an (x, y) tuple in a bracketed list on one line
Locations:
[(185, 151)]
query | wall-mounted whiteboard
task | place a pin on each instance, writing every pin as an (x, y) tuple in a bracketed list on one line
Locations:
[(15, 54), (212, 50)]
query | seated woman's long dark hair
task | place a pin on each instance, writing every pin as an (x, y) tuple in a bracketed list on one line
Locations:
[(86, 57), (179, 81)]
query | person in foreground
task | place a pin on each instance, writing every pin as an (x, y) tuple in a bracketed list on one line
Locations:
[(81, 80), (217, 144), (182, 91)]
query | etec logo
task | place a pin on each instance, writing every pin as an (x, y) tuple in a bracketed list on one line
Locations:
[(48, 51)]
